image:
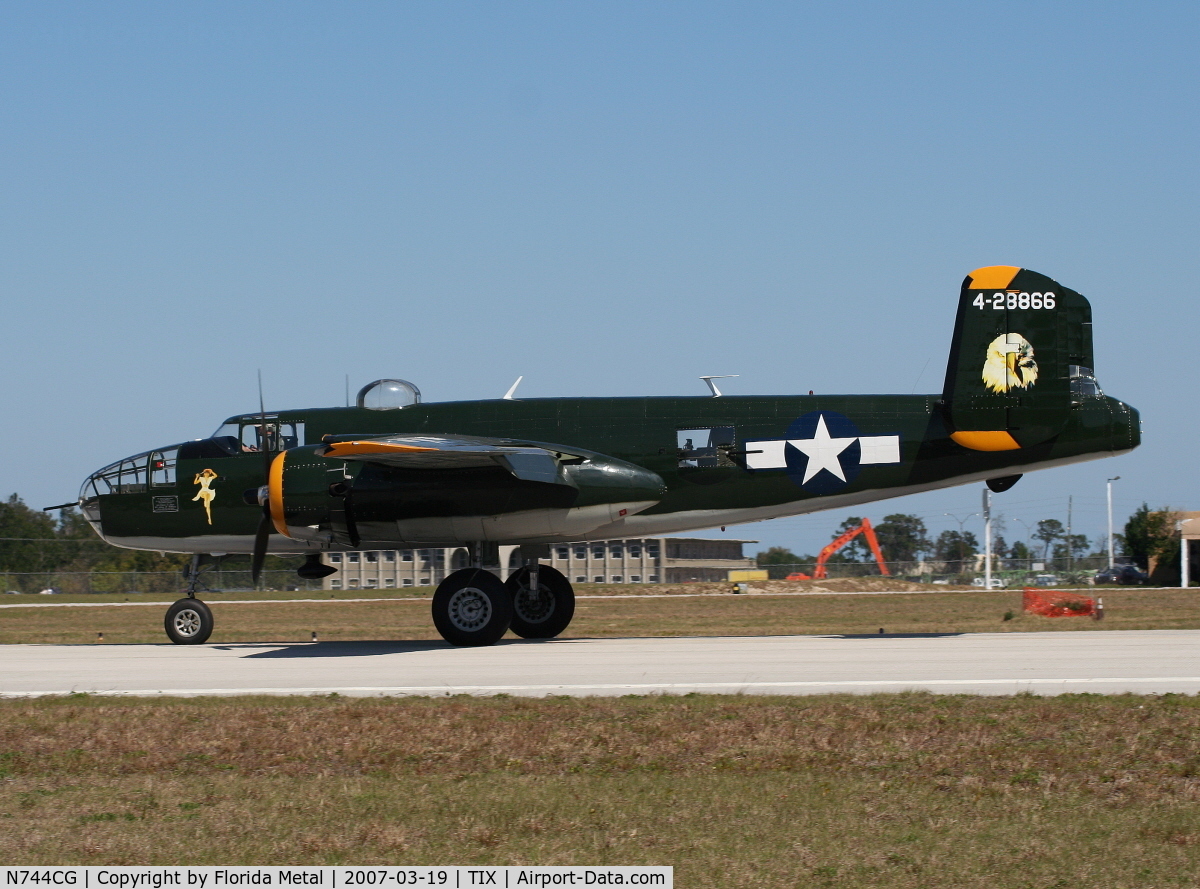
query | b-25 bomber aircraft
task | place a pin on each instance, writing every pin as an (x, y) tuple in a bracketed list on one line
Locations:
[(393, 472)]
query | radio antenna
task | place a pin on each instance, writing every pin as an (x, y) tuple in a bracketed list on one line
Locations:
[(512, 390), (712, 387)]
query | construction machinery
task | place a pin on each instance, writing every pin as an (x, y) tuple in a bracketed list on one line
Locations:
[(838, 542)]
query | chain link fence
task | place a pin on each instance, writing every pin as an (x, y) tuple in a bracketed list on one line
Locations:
[(215, 578), (154, 582), (1011, 572)]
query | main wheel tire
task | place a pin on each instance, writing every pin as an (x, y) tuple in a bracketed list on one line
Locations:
[(545, 613), (472, 607), (188, 622)]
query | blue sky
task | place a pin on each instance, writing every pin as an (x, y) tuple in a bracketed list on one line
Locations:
[(611, 199)]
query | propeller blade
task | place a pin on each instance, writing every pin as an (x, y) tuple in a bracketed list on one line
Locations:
[(265, 525), (261, 537), (264, 440)]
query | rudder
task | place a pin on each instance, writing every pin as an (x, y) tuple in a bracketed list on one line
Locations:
[(1018, 339)]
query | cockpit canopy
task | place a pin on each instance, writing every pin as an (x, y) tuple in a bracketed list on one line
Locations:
[(242, 435), (388, 395)]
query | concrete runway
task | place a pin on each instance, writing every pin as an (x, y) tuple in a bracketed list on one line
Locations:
[(1145, 662)]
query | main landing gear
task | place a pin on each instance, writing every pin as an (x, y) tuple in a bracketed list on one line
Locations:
[(472, 606), (189, 621), (544, 612)]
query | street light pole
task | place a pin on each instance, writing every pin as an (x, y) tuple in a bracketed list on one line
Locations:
[(1184, 568), (987, 538), (1028, 544), (1110, 530), (961, 522)]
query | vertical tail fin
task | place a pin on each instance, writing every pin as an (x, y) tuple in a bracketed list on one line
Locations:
[(1018, 338)]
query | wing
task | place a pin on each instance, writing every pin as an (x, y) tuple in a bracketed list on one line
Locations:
[(526, 461)]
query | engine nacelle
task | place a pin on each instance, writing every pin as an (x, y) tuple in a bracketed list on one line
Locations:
[(316, 496)]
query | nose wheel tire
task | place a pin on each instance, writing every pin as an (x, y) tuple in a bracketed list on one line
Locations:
[(188, 622), (545, 613), (472, 607)]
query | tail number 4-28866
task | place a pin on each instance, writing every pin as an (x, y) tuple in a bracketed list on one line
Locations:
[(1014, 300)]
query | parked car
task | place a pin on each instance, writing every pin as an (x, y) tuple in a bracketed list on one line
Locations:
[(1045, 580), (1126, 575), (997, 583)]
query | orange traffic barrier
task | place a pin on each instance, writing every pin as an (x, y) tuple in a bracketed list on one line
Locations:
[(1057, 603)]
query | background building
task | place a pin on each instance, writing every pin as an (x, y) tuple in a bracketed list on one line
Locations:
[(647, 560)]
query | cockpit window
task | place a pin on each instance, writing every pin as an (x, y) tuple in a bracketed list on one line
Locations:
[(271, 435), (251, 435), (1083, 381)]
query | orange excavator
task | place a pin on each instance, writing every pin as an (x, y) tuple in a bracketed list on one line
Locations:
[(867, 531)]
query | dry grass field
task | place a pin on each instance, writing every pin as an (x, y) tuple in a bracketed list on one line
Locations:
[(907, 790), (707, 610)]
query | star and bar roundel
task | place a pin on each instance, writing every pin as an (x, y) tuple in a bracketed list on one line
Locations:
[(823, 451)]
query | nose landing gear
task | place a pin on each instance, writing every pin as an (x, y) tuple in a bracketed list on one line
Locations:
[(189, 621)]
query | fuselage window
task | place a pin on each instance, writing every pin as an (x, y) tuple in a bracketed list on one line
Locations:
[(162, 468), (705, 446), (1083, 381)]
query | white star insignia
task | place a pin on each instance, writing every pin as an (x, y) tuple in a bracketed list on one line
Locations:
[(822, 451)]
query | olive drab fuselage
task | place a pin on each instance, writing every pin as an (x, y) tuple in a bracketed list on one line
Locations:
[(1020, 395), (644, 432)]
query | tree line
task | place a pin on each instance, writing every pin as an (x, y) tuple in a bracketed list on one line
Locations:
[(1149, 540), (31, 541)]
